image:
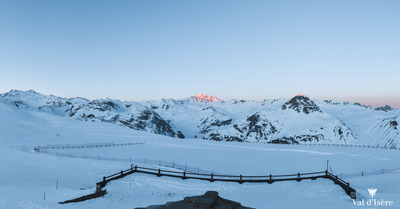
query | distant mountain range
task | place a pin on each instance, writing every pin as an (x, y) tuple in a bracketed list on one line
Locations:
[(298, 120)]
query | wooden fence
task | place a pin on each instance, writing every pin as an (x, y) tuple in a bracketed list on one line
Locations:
[(212, 177), (229, 178), (80, 146)]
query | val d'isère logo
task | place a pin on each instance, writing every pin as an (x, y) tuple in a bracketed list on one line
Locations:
[(372, 201), (372, 192)]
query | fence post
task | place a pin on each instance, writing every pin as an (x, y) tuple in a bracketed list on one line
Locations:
[(327, 164), (326, 173), (212, 177), (122, 173), (104, 178), (241, 179), (184, 175), (159, 173), (336, 180), (298, 176), (348, 187), (135, 168)]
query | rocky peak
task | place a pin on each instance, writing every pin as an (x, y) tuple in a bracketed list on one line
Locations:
[(19, 93), (384, 108), (205, 98), (301, 103)]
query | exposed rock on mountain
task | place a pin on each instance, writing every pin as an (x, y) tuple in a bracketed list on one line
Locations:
[(343, 133), (388, 130), (256, 127), (301, 104), (297, 139), (385, 108)]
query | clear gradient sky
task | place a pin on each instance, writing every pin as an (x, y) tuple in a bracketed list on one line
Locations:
[(248, 49)]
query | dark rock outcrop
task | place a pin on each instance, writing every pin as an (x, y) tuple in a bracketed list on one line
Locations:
[(210, 200), (394, 124), (298, 138), (219, 127), (261, 128), (385, 108), (301, 104)]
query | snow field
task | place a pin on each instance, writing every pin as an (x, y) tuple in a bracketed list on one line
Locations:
[(26, 175)]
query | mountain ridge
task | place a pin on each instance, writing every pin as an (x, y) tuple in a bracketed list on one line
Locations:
[(298, 120)]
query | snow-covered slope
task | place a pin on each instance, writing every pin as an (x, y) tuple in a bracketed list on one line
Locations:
[(283, 121), (130, 114), (41, 180)]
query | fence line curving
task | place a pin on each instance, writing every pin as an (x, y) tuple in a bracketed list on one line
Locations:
[(229, 178)]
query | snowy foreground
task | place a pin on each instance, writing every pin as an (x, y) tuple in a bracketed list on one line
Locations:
[(29, 179)]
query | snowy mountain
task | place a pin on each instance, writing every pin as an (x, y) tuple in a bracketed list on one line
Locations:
[(205, 98), (297, 120), (129, 114)]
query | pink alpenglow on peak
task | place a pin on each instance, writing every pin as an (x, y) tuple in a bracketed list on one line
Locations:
[(205, 98)]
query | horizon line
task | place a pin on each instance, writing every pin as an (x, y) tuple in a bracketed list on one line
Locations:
[(230, 99)]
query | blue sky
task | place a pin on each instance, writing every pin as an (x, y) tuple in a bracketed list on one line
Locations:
[(141, 50)]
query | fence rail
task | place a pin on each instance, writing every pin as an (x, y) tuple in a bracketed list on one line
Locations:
[(174, 165), (184, 167), (228, 178), (87, 145), (393, 147)]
